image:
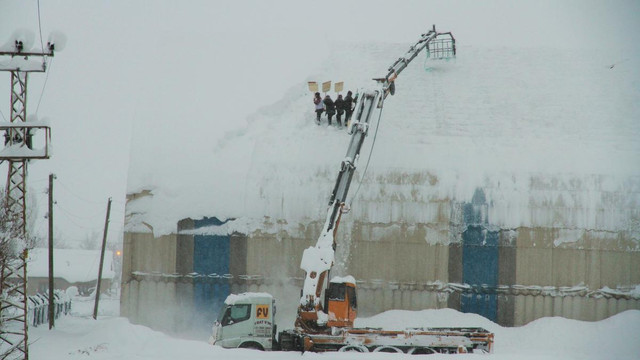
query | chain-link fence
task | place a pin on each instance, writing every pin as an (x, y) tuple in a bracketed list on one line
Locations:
[(38, 307)]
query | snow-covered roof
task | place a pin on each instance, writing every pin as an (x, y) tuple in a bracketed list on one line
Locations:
[(73, 265), (343, 279), (247, 297), (526, 124)]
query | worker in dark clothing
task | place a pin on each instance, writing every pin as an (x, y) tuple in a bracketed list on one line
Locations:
[(317, 100), (349, 103), (340, 108), (329, 107)]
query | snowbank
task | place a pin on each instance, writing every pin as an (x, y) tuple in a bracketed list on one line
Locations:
[(548, 338)]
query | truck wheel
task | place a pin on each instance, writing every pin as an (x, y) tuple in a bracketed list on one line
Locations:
[(387, 349), (421, 351), (251, 345), (356, 348)]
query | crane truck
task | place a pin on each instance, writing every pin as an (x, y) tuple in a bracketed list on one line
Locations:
[(328, 307)]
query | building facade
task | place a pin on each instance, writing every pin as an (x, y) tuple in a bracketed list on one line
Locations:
[(455, 257)]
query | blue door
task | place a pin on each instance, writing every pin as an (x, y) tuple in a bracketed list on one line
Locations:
[(210, 256), (480, 270)]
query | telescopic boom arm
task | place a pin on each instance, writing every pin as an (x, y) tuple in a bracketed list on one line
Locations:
[(318, 260)]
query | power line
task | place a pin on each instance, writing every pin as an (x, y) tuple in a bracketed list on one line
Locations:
[(67, 188), (39, 180), (44, 59), (76, 195), (46, 77), (67, 216), (76, 216)]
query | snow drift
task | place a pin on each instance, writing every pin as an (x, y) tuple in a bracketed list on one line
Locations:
[(549, 338)]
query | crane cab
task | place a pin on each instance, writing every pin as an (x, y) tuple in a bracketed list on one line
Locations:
[(341, 303)]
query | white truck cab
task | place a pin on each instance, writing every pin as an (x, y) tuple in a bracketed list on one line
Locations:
[(246, 321)]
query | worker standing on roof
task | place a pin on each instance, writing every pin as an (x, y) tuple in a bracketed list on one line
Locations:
[(319, 107), (348, 106), (330, 107), (340, 107)]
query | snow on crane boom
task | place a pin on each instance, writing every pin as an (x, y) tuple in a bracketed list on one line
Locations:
[(318, 260)]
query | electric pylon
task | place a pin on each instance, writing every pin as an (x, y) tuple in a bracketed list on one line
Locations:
[(18, 150)]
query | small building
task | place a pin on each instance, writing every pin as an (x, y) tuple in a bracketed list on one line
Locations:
[(72, 267)]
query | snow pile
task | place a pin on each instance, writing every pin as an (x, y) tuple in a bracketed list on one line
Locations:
[(79, 336), (612, 338)]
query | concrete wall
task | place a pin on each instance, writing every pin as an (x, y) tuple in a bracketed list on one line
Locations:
[(143, 253), (165, 303), (396, 269), (576, 256)]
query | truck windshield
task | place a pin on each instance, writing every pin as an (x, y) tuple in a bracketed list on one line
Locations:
[(336, 291), (235, 313), (353, 302), (222, 312)]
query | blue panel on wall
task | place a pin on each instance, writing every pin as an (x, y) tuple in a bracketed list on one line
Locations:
[(474, 213), (210, 256), (480, 270)]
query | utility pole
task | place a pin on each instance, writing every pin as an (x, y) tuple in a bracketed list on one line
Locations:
[(52, 314), (18, 150), (104, 244)]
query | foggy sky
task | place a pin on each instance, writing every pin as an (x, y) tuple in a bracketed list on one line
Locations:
[(124, 61)]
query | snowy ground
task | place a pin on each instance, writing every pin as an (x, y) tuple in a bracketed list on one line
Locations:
[(78, 336)]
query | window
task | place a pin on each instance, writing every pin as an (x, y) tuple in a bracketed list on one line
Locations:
[(351, 293), (335, 292), (236, 313)]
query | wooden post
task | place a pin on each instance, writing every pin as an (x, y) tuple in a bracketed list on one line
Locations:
[(104, 244), (52, 314)]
